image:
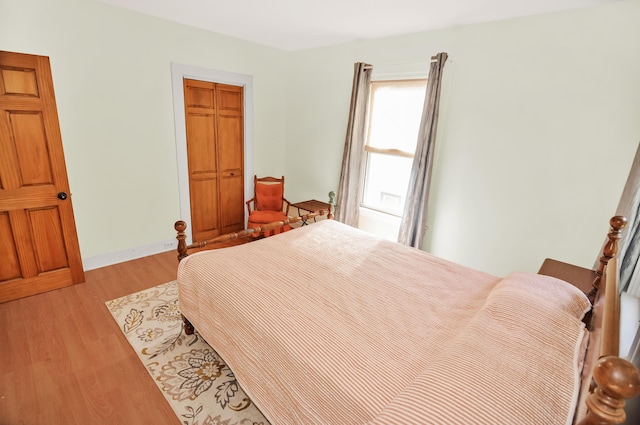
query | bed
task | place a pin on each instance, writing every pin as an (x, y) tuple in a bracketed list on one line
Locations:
[(326, 324)]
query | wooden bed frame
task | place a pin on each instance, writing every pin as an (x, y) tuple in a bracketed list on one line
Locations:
[(614, 379), (181, 226)]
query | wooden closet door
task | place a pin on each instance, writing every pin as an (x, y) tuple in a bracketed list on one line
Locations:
[(38, 243), (200, 110), (215, 150), (231, 160)]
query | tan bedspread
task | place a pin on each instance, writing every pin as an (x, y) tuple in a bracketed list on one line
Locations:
[(329, 325)]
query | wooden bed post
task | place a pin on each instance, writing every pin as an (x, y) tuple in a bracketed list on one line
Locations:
[(616, 380), (180, 227), (332, 204), (187, 326), (608, 252)]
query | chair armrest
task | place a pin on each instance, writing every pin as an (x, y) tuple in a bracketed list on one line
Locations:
[(286, 211), (249, 204)]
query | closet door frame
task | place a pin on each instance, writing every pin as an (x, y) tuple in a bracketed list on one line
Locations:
[(178, 73)]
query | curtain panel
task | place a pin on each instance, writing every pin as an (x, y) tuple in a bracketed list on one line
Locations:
[(352, 174), (414, 217)]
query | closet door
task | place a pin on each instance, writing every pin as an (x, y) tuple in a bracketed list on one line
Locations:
[(215, 146), (231, 160)]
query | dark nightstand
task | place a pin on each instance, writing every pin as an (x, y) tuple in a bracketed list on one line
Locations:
[(578, 276)]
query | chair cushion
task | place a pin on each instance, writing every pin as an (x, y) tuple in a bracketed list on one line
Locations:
[(269, 197), (264, 217)]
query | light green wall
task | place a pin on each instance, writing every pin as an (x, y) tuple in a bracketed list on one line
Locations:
[(537, 114), (112, 77), (539, 124)]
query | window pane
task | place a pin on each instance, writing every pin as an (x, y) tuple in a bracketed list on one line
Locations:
[(386, 182), (394, 119), (396, 109)]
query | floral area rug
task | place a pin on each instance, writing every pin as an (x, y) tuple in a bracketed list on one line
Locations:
[(196, 382)]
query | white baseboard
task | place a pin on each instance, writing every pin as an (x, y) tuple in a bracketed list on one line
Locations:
[(128, 254)]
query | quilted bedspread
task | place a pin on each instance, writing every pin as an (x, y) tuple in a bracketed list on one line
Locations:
[(329, 325)]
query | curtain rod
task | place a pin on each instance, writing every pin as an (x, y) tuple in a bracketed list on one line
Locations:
[(433, 60)]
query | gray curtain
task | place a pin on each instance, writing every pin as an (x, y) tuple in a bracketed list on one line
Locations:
[(629, 251), (351, 176), (414, 217)]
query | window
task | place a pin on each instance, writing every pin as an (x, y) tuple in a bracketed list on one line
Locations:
[(395, 111)]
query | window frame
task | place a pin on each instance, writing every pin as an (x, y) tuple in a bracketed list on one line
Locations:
[(368, 150)]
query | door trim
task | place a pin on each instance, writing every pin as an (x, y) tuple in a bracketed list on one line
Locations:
[(178, 73)]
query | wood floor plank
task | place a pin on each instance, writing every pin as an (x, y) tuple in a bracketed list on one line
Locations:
[(66, 361)]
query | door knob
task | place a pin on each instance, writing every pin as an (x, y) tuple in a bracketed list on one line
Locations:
[(62, 196)]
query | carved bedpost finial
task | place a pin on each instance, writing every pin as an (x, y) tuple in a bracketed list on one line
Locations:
[(180, 227), (608, 252), (332, 204), (617, 380)]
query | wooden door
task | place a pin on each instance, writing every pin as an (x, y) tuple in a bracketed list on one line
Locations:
[(38, 243), (231, 158), (215, 150)]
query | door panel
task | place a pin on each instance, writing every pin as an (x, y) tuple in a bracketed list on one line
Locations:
[(199, 94), (200, 115), (231, 152), (10, 265), (204, 208), (22, 82), (201, 130), (230, 136), (230, 98), (230, 127), (30, 143), (38, 244), (46, 229), (231, 195)]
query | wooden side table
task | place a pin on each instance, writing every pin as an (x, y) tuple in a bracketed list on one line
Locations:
[(311, 206)]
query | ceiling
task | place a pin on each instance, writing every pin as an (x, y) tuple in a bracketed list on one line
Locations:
[(301, 24)]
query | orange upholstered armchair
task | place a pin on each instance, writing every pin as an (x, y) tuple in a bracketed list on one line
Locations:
[(269, 203)]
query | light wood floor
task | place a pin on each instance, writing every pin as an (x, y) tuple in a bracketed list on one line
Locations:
[(63, 359)]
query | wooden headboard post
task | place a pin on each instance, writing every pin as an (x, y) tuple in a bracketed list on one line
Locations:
[(609, 251), (615, 378)]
